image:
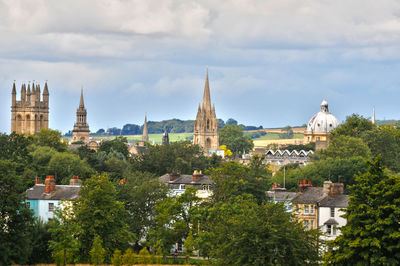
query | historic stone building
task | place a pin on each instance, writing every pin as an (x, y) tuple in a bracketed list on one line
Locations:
[(30, 114), (206, 125), (81, 130), (319, 126)]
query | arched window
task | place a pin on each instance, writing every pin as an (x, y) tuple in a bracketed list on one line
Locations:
[(208, 144), (19, 124), (208, 123), (36, 124), (28, 124), (41, 122)]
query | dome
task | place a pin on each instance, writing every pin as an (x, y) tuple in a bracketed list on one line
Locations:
[(323, 121)]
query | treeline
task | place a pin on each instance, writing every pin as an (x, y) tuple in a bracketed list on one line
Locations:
[(156, 127)]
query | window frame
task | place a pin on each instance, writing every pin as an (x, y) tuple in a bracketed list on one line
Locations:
[(306, 209), (51, 207), (332, 212)]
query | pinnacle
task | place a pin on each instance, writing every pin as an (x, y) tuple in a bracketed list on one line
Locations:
[(206, 106), (81, 104)]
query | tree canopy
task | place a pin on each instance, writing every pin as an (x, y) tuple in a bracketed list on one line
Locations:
[(233, 137)]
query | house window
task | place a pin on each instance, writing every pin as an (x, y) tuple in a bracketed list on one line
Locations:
[(306, 209), (312, 224), (305, 222), (182, 186), (329, 229), (51, 207), (28, 204), (297, 209), (332, 212), (312, 209)]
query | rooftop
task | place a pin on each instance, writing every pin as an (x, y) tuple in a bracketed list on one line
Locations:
[(61, 192)]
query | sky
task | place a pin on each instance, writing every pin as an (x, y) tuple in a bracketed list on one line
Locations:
[(270, 63)]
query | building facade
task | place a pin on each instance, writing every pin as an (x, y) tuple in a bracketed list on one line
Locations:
[(43, 199), (206, 125), (319, 126), (81, 131), (31, 113)]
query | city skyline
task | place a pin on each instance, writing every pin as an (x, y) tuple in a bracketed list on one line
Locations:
[(270, 63)]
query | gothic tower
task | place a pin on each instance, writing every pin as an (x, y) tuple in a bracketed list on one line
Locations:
[(81, 130), (30, 114), (206, 124)]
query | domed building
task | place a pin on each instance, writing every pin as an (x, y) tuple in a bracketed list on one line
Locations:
[(319, 126)]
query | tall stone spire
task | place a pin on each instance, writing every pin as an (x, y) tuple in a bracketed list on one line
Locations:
[(206, 125), (206, 97), (13, 95), (373, 115), (165, 138), (81, 131), (81, 103), (145, 136)]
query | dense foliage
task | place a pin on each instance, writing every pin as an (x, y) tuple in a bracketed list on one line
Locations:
[(372, 233), (233, 137)]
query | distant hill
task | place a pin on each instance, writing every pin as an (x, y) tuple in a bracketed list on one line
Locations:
[(157, 127)]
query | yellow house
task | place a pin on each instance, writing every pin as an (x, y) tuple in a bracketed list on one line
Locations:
[(305, 204)]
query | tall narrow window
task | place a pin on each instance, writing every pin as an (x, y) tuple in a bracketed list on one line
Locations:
[(305, 224), (51, 207), (312, 209), (312, 224), (306, 209), (332, 212), (329, 229)]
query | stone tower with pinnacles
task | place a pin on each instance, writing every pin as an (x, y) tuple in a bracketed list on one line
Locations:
[(81, 130), (31, 113), (206, 125)]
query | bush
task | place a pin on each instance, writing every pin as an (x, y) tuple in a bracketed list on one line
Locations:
[(116, 260)]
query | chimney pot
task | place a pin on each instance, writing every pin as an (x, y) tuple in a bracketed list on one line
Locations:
[(49, 184), (37, 180)]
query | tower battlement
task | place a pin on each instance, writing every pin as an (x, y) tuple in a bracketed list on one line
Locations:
[(30, 114)]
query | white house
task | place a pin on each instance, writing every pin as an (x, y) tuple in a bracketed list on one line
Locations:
[(43, 199)]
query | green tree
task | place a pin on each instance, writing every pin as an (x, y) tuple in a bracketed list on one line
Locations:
[(16, 220), (371, 235), (287, 133), (173, 219), (144, 256), (40, 237), (118, 144), (176, 157), (140, 193), (233, 178), (116, 259), (50, 138), (345, 147), (41, 156), (97, 253), (98, 212), (232, 136), (64, 230), (354, 126), (385, 140), (64, 165), (129, 257), (243, 232)]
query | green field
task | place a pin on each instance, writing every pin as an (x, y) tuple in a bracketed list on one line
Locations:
[(274, 136)]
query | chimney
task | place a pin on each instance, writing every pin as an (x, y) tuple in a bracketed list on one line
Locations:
[(327, 187), (336, 189), (196, 176), (74, 181), (304, 184), (49, 184), (172, 177), (275, 186), (37, 180)]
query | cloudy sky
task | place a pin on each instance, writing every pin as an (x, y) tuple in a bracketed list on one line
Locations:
[(270, 62)]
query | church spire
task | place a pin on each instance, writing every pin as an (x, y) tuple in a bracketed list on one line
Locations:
[(206, 97), (373, 116), (81, 103), (145, 136)]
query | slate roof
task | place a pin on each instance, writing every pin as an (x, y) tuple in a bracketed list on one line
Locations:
[(331, 221), (310, 195), (186, 179), (281, 195), (61, 192), (339, 201)]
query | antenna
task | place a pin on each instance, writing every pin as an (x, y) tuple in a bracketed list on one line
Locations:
[(284, 176)]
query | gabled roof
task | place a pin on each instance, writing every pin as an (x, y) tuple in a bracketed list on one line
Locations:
[(331, 221), (281, 195), (61, 192), (310, 195), (339, 201), (186, 179)]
